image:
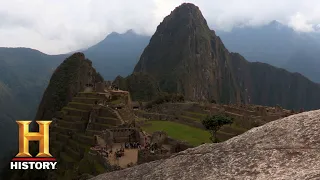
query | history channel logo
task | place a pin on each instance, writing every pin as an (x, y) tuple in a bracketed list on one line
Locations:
[(24, 159)]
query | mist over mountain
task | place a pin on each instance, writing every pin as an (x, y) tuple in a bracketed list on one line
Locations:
[(278, 45)]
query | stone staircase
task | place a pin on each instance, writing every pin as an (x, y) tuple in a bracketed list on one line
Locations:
[(70, 138)]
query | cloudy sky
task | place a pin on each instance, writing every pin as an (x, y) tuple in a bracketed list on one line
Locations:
[(60, 26)]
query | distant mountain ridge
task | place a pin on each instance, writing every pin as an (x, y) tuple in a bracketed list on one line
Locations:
[(24, 74), (185, 56), (278, 45), (117, 54)]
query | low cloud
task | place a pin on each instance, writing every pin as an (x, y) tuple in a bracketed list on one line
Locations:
[(60, 26)]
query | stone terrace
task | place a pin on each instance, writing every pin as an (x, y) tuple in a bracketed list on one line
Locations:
[(245, 116), (72, 132)]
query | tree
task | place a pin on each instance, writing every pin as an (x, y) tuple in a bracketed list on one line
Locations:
[(214, 123)]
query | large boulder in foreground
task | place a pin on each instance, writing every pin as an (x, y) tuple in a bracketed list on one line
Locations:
[(288, 148)]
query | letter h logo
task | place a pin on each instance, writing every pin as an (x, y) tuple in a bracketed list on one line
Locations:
[(42, 136)]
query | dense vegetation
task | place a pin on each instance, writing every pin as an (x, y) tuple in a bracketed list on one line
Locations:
[(214, 123)]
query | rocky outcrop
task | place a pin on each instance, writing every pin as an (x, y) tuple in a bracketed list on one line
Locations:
[(185, 56), (71, 77), (288, 148)]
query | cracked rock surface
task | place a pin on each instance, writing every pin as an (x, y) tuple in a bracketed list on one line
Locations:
[(287, 148)]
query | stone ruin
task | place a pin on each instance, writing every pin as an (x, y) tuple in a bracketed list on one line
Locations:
[(161, 146)]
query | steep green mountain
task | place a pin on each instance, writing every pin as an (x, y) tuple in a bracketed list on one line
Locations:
[(67, 80), (278, 45), (185, 56), (25, 73), (117, 54)]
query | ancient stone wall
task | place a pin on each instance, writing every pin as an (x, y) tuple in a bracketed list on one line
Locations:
[(107, 136), (121, 135), (99, 87), (154, 116), (105, 112)]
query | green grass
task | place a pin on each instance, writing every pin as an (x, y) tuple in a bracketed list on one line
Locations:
[(62, 122), (85, 104), (108, 118), (237, 127), (71, 117), (99, 168), (192, 135), (191, 118), (139, 119), (84, 146), (86, 98), (117, 101), (197, 114), (88, 92), (103, 125), (69, 108)]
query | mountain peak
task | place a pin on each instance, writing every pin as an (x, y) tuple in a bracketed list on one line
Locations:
[(182, 45), (189, 6), (187, 11), (184, 19), (277, 25), (130, 31)]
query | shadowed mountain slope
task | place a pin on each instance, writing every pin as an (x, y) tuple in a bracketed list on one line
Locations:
[(69, 78), (186, 57)]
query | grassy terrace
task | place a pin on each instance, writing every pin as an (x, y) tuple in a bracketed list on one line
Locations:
[(194, 136), (117, 101), (95, 93), (191, 118), (76, 143), (99, 168), (64, 122), (74, 109), (108, 118), (84, 136), (91, 98), (84, 104)]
